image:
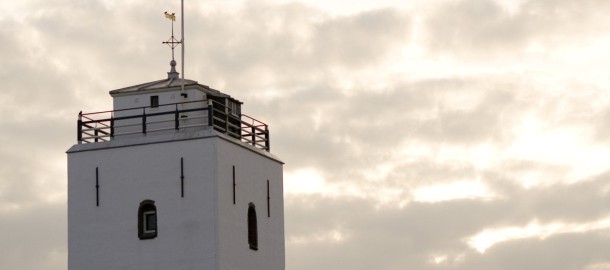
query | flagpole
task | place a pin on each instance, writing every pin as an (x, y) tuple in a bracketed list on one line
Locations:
[(182, 33)]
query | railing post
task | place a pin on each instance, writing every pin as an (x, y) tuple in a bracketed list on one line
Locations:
[(210, 113), (111, 126), (227, 121), (96, 134), (176, 118), (239, 127), (253, 136), (79, 127), (144, 120), (267, 141)]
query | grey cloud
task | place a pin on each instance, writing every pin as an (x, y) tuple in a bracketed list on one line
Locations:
[(569, 251), (361, 39), (34, 237), (382, 238), (29, 154), (367, 238), (378, 122), (412, 235), (483, 29), (561, 202), (292, 44)]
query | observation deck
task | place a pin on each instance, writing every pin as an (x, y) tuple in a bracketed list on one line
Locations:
[(117, 124)]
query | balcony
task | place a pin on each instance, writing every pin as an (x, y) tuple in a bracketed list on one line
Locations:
[(112, 125)]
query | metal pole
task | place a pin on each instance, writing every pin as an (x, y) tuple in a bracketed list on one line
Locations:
[(172, 39), (182, 33), (79, 128), (176, 119), (97, 187), (182, 177)]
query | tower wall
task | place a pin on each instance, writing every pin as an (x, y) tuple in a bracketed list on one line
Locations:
[(106, 236)]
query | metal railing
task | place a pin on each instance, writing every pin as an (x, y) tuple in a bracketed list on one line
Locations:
[(109, 125)]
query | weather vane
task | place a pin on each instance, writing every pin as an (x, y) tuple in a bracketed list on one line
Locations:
[(172, 42)]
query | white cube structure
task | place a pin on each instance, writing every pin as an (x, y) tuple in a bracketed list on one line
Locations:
[(174, 179)]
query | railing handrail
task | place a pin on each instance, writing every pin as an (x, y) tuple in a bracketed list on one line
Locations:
[(254, 119), (148, 107)]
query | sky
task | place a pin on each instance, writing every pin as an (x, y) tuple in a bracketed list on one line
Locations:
[(424, 134)]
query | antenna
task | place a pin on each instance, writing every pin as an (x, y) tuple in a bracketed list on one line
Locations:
[(182, 41)]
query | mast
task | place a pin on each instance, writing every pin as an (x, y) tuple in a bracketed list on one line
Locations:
[(182, 40)]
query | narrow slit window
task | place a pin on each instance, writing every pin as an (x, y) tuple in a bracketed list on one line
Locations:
[(252, 228), (268, 201), (97, 187), (234, 185), (182, 177), (147, 220)]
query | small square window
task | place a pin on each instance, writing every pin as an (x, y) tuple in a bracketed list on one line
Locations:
[(154, 101)]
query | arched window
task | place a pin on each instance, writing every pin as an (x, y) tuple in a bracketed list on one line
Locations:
[(147, 220), (252, 229)]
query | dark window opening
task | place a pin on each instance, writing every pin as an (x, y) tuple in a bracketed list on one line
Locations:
[(234, 107), (150, 222), (252, 228), (147, 220), (154, 101)]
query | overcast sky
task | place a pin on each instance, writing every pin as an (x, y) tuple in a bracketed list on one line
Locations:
[(430, 134)]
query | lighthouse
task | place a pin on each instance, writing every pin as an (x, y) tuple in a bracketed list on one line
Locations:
[(174, 176)]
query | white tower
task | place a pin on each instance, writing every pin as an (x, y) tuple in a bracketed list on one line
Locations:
[(173, 179)]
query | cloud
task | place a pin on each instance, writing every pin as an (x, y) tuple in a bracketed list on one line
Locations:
[(570, 251), (35, 236), (484, 29), (486, 239), (287, 46), (420, 231)]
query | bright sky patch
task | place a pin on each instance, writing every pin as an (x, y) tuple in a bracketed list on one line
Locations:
[(490, 237)]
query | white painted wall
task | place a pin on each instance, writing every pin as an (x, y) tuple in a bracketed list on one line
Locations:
[(142, 98), (203, 230)]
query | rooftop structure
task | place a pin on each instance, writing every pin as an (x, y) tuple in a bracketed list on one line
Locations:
[(162, 107)]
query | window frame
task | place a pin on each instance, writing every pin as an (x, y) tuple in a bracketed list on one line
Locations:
[(252, 227), (146, 230), (146, 227)]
